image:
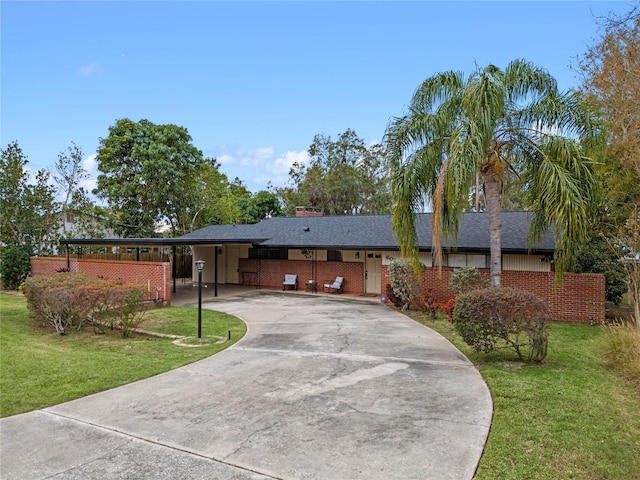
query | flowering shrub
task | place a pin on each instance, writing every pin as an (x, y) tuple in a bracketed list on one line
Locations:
[(446, 308), (426, 301)]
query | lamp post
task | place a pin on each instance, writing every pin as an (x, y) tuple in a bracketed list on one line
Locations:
[(200, 265)]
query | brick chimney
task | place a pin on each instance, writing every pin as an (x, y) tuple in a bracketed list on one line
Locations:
[(309, 212)]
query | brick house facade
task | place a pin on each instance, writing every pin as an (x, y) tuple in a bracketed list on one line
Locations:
[(579, 298), (360, 248)]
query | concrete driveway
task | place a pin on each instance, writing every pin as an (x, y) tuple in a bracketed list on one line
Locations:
[(320, 388)]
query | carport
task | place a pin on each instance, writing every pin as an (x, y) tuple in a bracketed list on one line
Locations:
[(212, 265)]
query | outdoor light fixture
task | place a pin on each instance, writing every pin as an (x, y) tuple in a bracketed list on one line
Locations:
[(200, 265)]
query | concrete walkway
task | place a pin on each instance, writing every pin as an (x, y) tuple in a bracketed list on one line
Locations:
[(324, 388)]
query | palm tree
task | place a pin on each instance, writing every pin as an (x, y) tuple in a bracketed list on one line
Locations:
[(490, 123)]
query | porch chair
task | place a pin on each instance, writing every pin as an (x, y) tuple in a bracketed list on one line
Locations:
[(335, 287), (290, 280)]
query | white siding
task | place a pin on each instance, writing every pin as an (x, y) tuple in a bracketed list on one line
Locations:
[(350, 256), (527, 263), (318, 255)]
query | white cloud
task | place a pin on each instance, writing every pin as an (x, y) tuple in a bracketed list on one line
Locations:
[(90, 165), (283, 164), (225, 159), (260, 166), (90, 69)]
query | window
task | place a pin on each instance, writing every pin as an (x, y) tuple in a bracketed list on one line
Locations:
[(334, 256), (478, 261), (270, 253), (459, 260)]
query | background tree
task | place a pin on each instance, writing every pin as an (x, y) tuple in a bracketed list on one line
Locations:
[(79, 216), (28, 215), (13, 185), (257, 207), (42, 214), (491, 122), (611, 80), (343, 177), (218, 199), (149, 174), (69, 172)]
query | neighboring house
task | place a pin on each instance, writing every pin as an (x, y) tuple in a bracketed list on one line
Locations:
[(76, 224)]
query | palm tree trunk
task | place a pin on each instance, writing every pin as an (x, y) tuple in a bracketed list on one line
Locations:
[(494, 211)]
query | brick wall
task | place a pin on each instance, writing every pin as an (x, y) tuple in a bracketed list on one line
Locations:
[(580, 297), (152, 274), (271, 272)]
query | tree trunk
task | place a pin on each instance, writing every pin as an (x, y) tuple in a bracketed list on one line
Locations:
[(494, 211)]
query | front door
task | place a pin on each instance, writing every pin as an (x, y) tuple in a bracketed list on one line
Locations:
[(233, 263), (373, 272)]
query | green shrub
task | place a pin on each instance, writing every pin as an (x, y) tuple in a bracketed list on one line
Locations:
[(597, 256), (492, 318), (69, 300), (466, 279), (14, 266), (404, 283), (49, 299), (128, 311), (392, 296)]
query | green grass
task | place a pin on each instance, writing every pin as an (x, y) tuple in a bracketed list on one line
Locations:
[(569, 417), (39, 368)]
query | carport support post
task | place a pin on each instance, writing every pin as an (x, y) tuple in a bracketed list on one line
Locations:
[(215, 280), (174, 269), (200, 265)]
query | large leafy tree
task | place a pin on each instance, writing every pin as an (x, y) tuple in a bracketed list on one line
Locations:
[(343, 177), (611, 80), (218, 199), (261, 205), (486, 124), (149, 174)]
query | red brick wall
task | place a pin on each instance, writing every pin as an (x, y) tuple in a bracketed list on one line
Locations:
[(271, 272), (579, 298), (151, 274)]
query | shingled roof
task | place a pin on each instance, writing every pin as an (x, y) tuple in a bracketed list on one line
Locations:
[(369, 232)]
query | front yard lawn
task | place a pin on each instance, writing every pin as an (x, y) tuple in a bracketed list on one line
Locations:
[(569, 417), (39, 368)]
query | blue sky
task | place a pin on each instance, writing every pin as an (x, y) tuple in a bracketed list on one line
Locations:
[(253, 82)]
